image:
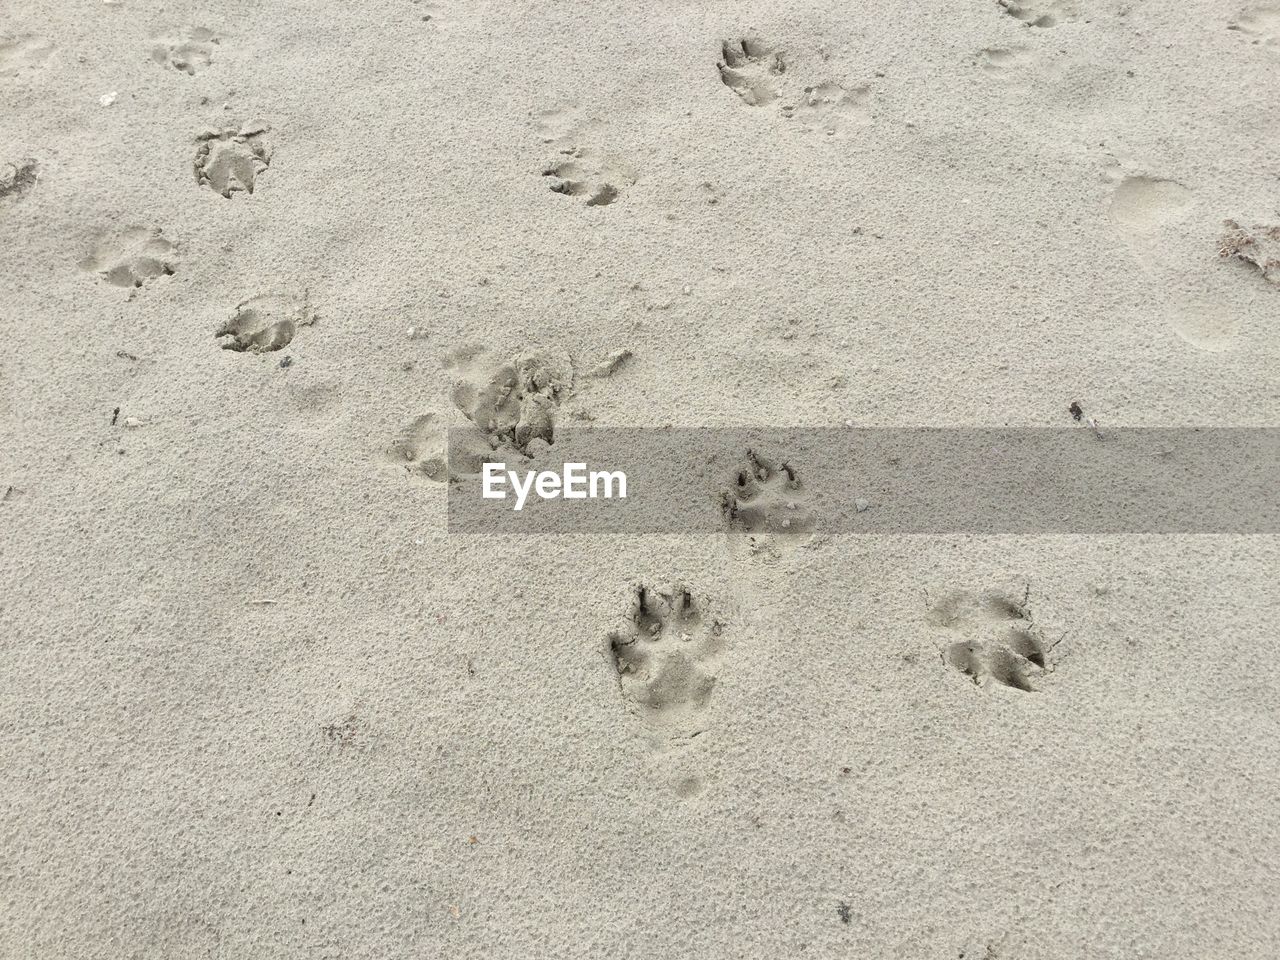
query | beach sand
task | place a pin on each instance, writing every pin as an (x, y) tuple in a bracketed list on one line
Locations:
[(258, 702)]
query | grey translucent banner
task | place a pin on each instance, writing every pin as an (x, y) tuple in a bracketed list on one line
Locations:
[(792, 482)]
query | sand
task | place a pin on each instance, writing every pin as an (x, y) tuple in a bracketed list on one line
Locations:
[(258, 702)]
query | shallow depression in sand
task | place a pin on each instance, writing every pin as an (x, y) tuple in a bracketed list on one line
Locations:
[(1208, 328), (1145, 204)]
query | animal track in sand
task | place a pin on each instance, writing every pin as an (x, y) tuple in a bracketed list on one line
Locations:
[(759, 75), (582, 173), (766, 509), (17, 179), (580, 170), (1258, 246), (187, 54), (831, 108), (665, 658), (509, 406), (265, 323), (1261, 23), (429, 12), (750, 69), (230, 161), (709, 193), (22, 53), (515, 404), (996, 638), (1040, 13), (766, 498), (563, 123), (131, 257), (421, 449), (1004, 62)]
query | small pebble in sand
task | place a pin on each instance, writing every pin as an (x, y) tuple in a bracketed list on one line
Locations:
[(132, 422), (107, 99), (861, 505)]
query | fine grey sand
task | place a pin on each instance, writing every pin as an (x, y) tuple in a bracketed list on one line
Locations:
[(257, 702)]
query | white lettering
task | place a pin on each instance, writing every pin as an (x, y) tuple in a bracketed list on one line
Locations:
[(574, 482), (607, 478), (522, 490), (548, 485), (493, 474), (575, 473)]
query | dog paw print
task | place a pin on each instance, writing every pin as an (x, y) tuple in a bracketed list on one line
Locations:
[(18, 178), (709, 193), (22, 53), (1040, 13), (1013, 65), (265, 323), (581, 173), (187, 54), (421, 449), (429, 12), (516, 404), (767, 498), (665, 658), (1262, 23), (579, 168), (231, 160), (995, 638), (563, 123), (759, 76), (751, 69), (831, 108), (131, 257)]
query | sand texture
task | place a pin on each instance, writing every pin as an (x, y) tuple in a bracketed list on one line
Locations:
[(256, 257)]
